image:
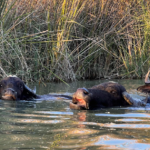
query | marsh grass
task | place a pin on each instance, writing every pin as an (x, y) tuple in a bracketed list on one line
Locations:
[(63, 40)]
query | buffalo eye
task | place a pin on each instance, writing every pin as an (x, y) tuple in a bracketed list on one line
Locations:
[(0, 85), (113, 92), (85, 92), (21, 86)]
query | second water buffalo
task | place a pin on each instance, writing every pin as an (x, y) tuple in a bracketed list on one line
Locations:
[(108, 94)]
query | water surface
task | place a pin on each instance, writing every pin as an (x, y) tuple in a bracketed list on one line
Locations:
[(53, 125)]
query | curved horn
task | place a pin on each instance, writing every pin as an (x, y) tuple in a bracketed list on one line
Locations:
[(134, 102), (31, 91), (147, 78)]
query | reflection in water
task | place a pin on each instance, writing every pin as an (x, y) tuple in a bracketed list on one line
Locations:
[(116, 143), (53, 125)]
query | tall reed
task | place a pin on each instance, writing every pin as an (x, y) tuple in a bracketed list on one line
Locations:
[(63, 40)]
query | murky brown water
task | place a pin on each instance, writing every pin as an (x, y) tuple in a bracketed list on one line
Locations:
[(53, 125)]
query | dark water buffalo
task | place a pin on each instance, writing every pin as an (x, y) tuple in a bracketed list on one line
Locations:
[(13, 88), (145, 88), (104, 95)]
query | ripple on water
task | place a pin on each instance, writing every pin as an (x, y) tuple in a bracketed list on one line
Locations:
[(116, 143), (137, 115), (102, 142), (54, 112)]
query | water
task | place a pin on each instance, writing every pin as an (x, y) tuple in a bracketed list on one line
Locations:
[(45, 125)]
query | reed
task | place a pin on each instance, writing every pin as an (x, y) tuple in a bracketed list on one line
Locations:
[(63, 40)]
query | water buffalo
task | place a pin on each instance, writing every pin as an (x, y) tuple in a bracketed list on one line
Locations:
[(145, 88), (13, 88), (108, 94)]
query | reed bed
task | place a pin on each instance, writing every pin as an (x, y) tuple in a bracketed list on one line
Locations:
[(63, 40)]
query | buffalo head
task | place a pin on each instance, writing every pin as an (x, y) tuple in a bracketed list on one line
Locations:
[(13, 88)]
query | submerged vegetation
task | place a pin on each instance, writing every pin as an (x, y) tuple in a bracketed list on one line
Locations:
[(52, 40)]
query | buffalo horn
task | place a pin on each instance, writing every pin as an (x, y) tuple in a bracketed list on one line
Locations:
[(147, 78), (31, 91), (134, 102)]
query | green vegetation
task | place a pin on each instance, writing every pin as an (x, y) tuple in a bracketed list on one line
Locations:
[(53, 40)]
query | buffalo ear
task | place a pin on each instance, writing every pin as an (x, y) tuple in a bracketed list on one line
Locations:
[(28, 93), (134, 102)]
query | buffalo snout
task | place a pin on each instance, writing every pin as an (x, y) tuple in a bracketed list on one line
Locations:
[(80, 99), (9, 94)]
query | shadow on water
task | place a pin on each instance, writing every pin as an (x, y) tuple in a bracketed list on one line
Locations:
[(53, 125)]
